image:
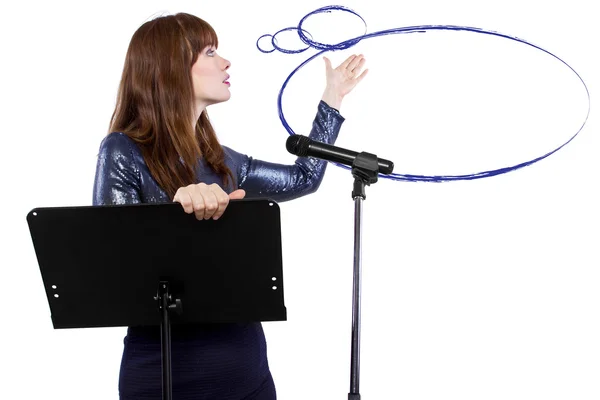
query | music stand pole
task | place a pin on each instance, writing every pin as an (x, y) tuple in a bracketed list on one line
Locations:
[(365, 170), (166, 304)]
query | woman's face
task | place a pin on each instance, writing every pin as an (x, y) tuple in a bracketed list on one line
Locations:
[(210, 78)]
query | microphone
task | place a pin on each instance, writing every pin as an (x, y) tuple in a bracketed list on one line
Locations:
[(303, 146)]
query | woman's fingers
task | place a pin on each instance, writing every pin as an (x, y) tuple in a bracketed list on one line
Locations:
[(327, 63), (206, 201), (222, 202), (360, 65), (237, 194), (201, 203), (356, 65), (361, 76), (347, 61), (182, 197), (209, 194)]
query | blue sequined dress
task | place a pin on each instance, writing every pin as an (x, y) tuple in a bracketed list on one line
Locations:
[(222, 361)]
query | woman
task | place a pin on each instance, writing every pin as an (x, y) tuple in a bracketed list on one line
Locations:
[(161, 148)]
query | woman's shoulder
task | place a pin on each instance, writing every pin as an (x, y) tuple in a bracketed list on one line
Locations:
[(120, 147), (232, 157), (120, 150), (117, 143)]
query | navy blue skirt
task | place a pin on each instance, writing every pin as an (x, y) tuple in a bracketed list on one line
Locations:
[(220, 361)]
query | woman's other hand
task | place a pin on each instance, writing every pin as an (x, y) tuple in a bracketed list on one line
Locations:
[(206, 201), (341, 80)]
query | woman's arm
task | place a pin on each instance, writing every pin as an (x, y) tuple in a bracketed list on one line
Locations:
[(286, 182)]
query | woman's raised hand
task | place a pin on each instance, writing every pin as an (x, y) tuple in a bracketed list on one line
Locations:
[(206, 201), (342, 79)]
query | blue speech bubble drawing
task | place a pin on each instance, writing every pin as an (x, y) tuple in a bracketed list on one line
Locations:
[(324, 47)]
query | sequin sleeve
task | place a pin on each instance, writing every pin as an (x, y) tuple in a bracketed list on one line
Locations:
[(286, 182), (117, 178)]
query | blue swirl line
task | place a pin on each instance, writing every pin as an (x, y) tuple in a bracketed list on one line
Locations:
[(322, 46), (418, 29), (299, 30), (258, 45)]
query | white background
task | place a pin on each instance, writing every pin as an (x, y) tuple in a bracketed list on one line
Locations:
[(484, 289)]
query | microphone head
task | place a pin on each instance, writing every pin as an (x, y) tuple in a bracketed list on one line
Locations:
[(298, 145)]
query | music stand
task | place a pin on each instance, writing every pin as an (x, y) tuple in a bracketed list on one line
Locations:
[(153, 264)]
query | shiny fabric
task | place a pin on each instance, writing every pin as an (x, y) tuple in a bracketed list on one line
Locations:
[(222, 361), (122, 176)]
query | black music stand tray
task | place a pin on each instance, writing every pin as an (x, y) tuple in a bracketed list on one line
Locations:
[(153, 264)]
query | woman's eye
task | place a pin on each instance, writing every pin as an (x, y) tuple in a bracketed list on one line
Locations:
[(210, 52)]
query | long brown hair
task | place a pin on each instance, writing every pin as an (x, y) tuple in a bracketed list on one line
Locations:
[(155, 101)]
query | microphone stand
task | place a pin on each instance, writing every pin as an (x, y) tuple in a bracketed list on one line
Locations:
[(365, 170)]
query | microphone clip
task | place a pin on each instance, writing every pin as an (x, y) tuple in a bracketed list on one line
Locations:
[(365, 171)]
